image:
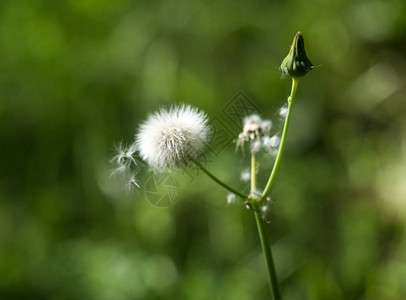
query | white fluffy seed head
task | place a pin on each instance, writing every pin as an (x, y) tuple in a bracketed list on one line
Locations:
[(252, 127), (172, 136), (256, 119), (254, 131)]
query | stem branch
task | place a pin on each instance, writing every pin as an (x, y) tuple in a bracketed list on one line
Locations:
[(278, 159), (213, 177)]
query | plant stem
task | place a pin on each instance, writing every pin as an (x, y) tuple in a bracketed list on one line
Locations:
[(253, 174), (227, 187), (278, 159), (273, 281)]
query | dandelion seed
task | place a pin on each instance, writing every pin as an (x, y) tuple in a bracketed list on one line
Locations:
[(231, 199), (124, 155), (245, 175), (171, 137), (266, 126), (120, 170), (269, 143), (266, 212), (265, 209), (252, 119), (274, 141), (283, 111), (273, 152), (132, 183)]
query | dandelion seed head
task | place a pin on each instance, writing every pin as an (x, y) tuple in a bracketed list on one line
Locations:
[(254, 130), (256, 146), (172, 136)]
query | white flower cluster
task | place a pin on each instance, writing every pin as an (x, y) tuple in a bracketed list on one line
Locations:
[(256, 133), (167, 139)]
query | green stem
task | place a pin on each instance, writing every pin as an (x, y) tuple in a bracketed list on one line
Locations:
[(253, 174), (278, 159), (273, 281), (227, 187)]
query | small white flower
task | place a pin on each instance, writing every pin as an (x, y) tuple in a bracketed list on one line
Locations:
[(172, 136), (245, 175)]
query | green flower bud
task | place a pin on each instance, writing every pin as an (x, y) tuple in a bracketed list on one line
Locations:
[(296, 63)]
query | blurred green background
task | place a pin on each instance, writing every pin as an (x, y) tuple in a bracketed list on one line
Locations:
[(78, 77)]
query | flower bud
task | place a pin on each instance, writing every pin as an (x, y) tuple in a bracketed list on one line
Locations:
[(296, 63)]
